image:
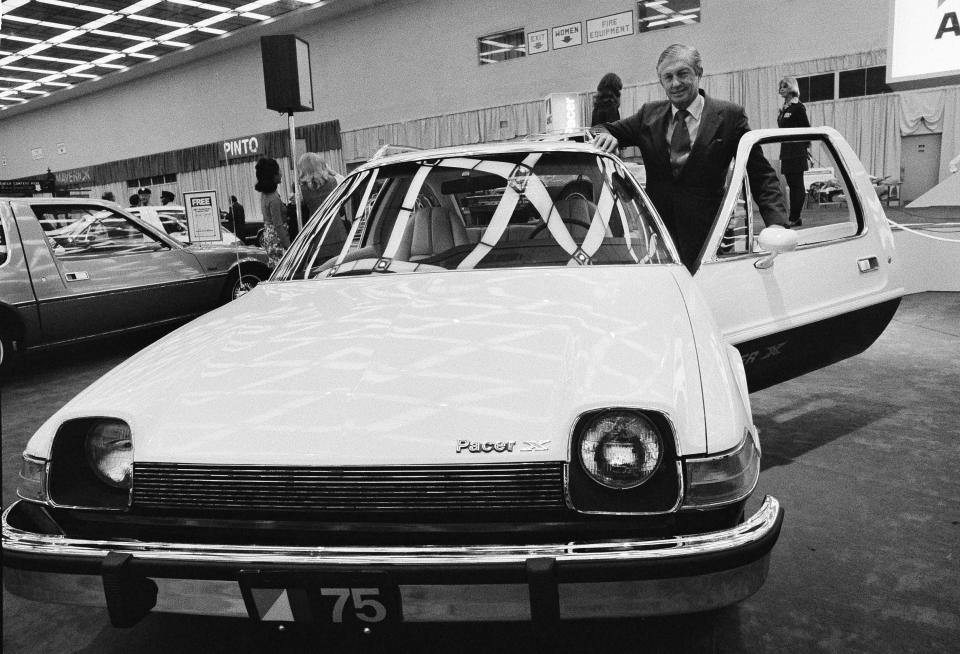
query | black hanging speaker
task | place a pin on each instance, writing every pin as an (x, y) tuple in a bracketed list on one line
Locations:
[(286, 73)]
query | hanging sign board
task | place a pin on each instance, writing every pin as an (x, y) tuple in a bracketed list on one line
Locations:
[(924, 43), (566, 36), (245, 146), (562, 112), (610, 27), (537, 42), (203, 216)]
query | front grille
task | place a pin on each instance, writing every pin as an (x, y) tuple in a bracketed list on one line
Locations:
[(527, 486)]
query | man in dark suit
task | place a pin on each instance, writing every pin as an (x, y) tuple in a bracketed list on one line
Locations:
[(687, 143)]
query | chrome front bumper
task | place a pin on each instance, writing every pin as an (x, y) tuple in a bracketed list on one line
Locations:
[(437, 583)]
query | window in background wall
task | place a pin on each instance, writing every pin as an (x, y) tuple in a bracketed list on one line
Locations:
[(499, 47), (660, 14), (845, 84), (863, 81), (816, 87), (156, 180)]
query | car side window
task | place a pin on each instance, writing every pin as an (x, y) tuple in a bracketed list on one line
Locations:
[(85, 231), (814, 181), (3, 245)]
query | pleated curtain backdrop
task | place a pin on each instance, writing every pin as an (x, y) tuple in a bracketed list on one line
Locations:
[(872, 124)]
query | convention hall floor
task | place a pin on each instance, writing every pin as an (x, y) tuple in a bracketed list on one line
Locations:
[(863, 455)]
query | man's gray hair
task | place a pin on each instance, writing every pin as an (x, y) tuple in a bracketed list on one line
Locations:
[(685, 52)]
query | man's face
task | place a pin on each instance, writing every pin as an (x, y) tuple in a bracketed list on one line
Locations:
[(144, 199), (679, 80)]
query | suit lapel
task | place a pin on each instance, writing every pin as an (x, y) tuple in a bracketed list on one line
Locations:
[(659, 119), (710, 120)]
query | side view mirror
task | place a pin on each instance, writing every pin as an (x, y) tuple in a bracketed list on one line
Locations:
[(776, 240)]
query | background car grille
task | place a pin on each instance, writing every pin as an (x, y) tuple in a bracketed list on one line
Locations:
[(527, 486)]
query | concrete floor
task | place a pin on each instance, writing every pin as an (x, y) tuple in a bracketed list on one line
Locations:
[(863, 455)]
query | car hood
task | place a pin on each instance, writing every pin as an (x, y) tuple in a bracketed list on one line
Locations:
[(393, 369)]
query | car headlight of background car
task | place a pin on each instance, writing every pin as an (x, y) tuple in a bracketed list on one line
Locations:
[(90, 467)]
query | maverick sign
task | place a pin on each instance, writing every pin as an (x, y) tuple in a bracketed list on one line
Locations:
[(924, 43), (247, 146)]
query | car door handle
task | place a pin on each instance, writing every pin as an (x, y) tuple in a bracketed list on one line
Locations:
[(76, 276), (870, 264)]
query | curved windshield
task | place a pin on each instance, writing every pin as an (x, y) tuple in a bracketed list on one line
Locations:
[(508, 210)]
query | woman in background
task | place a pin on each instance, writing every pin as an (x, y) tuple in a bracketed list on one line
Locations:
[(276, 238), (606, 103), (317, 181), (793, 155)]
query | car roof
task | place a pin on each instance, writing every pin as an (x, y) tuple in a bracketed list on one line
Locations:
[(96, 201), (538, 143), (161, 208)]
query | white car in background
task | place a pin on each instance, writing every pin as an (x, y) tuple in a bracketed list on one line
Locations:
[(172, 218), (479, 386)]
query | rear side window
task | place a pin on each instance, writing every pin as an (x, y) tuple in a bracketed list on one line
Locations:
[(85, 231)]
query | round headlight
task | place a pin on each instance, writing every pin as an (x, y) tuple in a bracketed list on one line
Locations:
[(621, 449), (110, 452)]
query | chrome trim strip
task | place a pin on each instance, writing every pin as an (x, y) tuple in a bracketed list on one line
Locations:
[(754, 529), (59, 299), (115, 332), (715, 259)]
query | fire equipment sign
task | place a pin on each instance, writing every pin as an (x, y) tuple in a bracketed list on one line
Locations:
[(610, 27)]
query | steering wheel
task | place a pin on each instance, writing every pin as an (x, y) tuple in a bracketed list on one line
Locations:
[(543, 226)]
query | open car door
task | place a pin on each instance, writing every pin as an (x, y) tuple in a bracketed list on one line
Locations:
[(794, 300)]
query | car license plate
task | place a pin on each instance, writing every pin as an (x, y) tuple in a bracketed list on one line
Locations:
[(348, 599)]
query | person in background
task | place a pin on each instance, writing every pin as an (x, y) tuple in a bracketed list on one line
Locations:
[(238, 218), (606, 103), (276, 238), (147, 213), (687, 143), (110, 197), (793, 155), (293, 228), (134, 200), (166, 197), (317, 181)]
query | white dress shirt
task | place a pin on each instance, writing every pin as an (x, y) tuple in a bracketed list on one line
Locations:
[(694, 112)]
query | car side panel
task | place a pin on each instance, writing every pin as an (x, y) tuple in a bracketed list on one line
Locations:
[(85, 296), (18, 303)]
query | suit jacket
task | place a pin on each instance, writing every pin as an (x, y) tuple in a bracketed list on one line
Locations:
[(689, 205)]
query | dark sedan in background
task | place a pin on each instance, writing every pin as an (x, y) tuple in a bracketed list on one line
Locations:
[(76, 268)]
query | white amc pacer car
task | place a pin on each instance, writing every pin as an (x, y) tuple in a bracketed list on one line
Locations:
[(479, 386)]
